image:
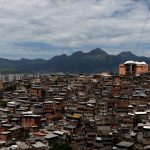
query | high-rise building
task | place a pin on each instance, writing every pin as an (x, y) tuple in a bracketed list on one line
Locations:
[(133, 68)]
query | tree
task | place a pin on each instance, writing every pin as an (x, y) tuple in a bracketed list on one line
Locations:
[(137, 120), (10, 88), (28, 86), (3, 104), (57, 146)]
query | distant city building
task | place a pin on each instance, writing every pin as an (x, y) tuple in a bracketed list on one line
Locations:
[(133, 68)]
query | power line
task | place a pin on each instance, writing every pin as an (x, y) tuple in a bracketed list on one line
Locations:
[(143, 28)]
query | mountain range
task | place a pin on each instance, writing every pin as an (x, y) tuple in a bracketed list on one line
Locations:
[(95, 61)]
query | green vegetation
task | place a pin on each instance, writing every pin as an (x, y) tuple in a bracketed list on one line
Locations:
[(137, 120), (8, 70), (94, 61), (57, 146), (3, 103), (43, 93), (28, 86), (10, 88)]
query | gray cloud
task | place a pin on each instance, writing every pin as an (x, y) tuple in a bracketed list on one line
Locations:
[(68, 25)]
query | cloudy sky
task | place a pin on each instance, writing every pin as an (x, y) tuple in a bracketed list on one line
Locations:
[(45, 28)]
